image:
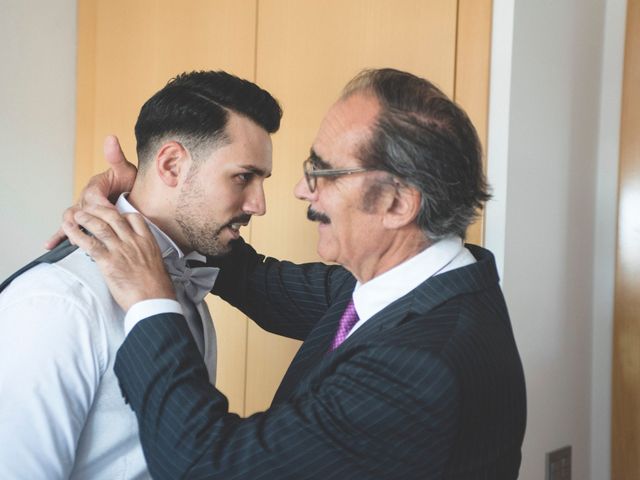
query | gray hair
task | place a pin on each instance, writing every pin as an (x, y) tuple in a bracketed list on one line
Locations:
[(426, 141)]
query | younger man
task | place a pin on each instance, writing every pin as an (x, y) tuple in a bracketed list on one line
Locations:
[(203, 151)]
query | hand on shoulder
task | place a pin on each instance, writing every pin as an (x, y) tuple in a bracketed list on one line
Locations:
[(103, 189)]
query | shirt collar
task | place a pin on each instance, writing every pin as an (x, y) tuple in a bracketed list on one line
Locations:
[(167, 246), (371, 297)]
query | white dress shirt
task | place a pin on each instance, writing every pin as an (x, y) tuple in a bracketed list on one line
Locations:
[(371, 297), (62, 414)]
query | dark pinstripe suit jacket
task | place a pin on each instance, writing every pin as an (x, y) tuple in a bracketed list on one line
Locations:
[(431, 387)]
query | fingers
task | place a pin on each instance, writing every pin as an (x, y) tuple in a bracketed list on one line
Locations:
[(55, 239), (113, 153), (106, 224), (97, 191), (101, 190), (125, 251), (112, 229), (85, 242), (68, 214), (59, 236), (107, 231), (123, 173), (138, 225), (105, 188)]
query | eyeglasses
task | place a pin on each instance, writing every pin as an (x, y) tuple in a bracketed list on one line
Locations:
[(311, 174)]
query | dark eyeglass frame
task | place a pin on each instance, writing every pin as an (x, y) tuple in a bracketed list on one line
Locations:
[(311, 174)]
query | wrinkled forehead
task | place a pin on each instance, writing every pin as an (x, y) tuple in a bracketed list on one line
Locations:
[(347, 124)]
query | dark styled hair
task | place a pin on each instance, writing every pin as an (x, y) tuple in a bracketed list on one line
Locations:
[(427, 141), (193, 108)]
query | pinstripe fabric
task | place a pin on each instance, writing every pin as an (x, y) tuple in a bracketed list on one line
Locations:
[(431, 387)]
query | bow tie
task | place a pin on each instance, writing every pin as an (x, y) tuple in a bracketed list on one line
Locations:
[(196, 281)]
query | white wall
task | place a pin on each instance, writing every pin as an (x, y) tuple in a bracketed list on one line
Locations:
[(37, 123), (605, 238), (552, 157)]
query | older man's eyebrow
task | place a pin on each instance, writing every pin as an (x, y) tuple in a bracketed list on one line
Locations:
[(255, 170), (317, 161)]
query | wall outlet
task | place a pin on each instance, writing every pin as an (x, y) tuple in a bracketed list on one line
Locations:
[(558, 464)]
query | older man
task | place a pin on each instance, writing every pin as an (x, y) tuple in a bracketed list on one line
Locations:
[(408, 369)]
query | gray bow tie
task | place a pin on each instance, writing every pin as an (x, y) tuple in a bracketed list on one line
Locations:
[(196, 281)]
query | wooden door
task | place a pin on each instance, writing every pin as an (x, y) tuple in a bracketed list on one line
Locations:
[(303, 52), (625, 442)]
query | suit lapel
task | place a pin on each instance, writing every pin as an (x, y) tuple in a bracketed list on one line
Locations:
[(315, 345), (432, 292)]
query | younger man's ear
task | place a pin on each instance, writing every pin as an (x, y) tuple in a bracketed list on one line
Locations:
[(172, 159)]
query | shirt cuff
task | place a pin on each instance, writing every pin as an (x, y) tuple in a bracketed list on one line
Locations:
[(147, 308)]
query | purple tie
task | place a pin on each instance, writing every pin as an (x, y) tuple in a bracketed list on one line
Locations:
[(347, 321)]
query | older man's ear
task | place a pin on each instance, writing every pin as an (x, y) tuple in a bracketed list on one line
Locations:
[(402, 208)]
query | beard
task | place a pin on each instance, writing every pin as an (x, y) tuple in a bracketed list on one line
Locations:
[(202, 236)]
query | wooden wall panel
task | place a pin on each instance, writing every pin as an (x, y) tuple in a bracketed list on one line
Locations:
[(303, 51), (625, 442), (140, 45), (306, 53), (85, 94), (127, 51), (471, 91)]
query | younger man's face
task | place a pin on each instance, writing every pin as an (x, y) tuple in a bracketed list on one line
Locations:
[(223, 191)]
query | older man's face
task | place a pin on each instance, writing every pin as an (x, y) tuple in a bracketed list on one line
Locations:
[(348, 234)]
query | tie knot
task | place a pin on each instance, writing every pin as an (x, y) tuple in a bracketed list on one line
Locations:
[(348, 319)]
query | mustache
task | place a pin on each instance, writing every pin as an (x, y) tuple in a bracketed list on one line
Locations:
[(315, 216), (244, 218)]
